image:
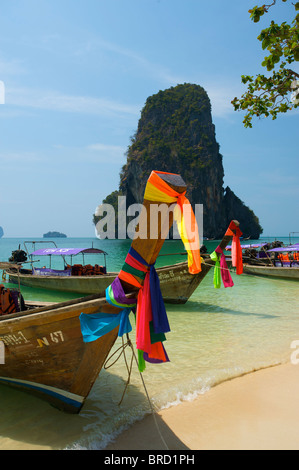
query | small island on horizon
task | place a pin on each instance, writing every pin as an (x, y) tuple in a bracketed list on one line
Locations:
[(54, 235)]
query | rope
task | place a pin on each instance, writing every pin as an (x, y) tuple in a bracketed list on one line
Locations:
[(150, 403), (129, 369), (122, 349)]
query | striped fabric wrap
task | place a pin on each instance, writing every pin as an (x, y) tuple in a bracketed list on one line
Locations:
[(157, 190), (237, 258), (151, 318)]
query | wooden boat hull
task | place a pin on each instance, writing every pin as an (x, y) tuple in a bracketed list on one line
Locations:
[(86, 285), (44, 349), (272, 271), (45, 353), (177, 284)]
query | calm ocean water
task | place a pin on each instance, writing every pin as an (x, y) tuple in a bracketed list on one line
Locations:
[(217, 335)]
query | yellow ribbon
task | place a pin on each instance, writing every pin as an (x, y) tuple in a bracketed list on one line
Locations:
[(159, 191)]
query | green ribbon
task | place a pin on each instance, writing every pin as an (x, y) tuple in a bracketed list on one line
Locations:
[(217, 273), (135, 272)]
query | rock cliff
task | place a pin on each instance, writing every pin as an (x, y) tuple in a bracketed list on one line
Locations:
[(1, 232), (176, 134)]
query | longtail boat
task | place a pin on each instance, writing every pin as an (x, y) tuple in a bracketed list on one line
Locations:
[(177, 284), (289, 273), (56, 352), (283, 264)]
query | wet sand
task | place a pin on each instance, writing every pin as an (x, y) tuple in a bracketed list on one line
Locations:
[(258, 411)]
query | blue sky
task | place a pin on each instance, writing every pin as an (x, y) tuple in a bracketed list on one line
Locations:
[(77, 75)]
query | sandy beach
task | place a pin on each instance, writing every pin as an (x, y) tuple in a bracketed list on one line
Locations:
[(258, 411)]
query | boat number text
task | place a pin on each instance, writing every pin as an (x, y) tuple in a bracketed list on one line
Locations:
[(19, 338), (13, 339), (55, 337)]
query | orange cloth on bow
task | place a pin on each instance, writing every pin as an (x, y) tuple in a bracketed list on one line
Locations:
[(159, 191)]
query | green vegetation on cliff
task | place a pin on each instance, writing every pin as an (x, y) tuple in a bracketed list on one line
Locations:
[(176, 134), (173, 129)]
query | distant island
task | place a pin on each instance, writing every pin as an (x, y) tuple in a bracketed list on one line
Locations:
[(54, 235), (1, 232)]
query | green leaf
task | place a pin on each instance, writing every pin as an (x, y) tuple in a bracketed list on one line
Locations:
[(269, 96)]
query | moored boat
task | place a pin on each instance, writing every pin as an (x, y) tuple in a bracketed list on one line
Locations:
[(257, 254), (291, 273), (57, 351), (46, 356), (177, 284), (284, 264)]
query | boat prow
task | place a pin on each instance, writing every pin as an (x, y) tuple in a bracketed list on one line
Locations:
[(276, 272), (58, 351)]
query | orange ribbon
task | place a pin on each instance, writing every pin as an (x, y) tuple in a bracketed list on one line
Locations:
[(158, 190)]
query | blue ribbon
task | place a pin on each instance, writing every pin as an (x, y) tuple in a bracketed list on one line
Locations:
[(94, 326)]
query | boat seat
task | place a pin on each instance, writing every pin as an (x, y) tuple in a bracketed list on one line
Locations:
[(88, 270)]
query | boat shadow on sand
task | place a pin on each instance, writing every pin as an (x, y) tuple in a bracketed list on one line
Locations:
[(29, 423), (201, 307)]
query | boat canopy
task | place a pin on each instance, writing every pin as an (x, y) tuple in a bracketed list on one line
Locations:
[(285, 248), (245, 247), (66, 251)]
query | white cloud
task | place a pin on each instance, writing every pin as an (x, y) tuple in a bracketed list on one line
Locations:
[(106, 148), (56, 101), (221, 101), (11, 67), (16, 157), (97, 152), (137, 61), (107, 153)]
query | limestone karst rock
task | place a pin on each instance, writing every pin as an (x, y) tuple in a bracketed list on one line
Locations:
[(176, 134)]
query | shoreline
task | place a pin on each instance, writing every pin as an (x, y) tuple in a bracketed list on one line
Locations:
[(255, 411)]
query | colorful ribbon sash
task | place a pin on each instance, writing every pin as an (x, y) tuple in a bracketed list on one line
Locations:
[(94, 326), (237, 258), (159, 191), (151, 318), (221, 269)]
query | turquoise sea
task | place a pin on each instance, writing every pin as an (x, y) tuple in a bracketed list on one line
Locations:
[(217, 335)]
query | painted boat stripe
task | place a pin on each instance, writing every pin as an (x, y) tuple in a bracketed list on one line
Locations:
[(67, 397)]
